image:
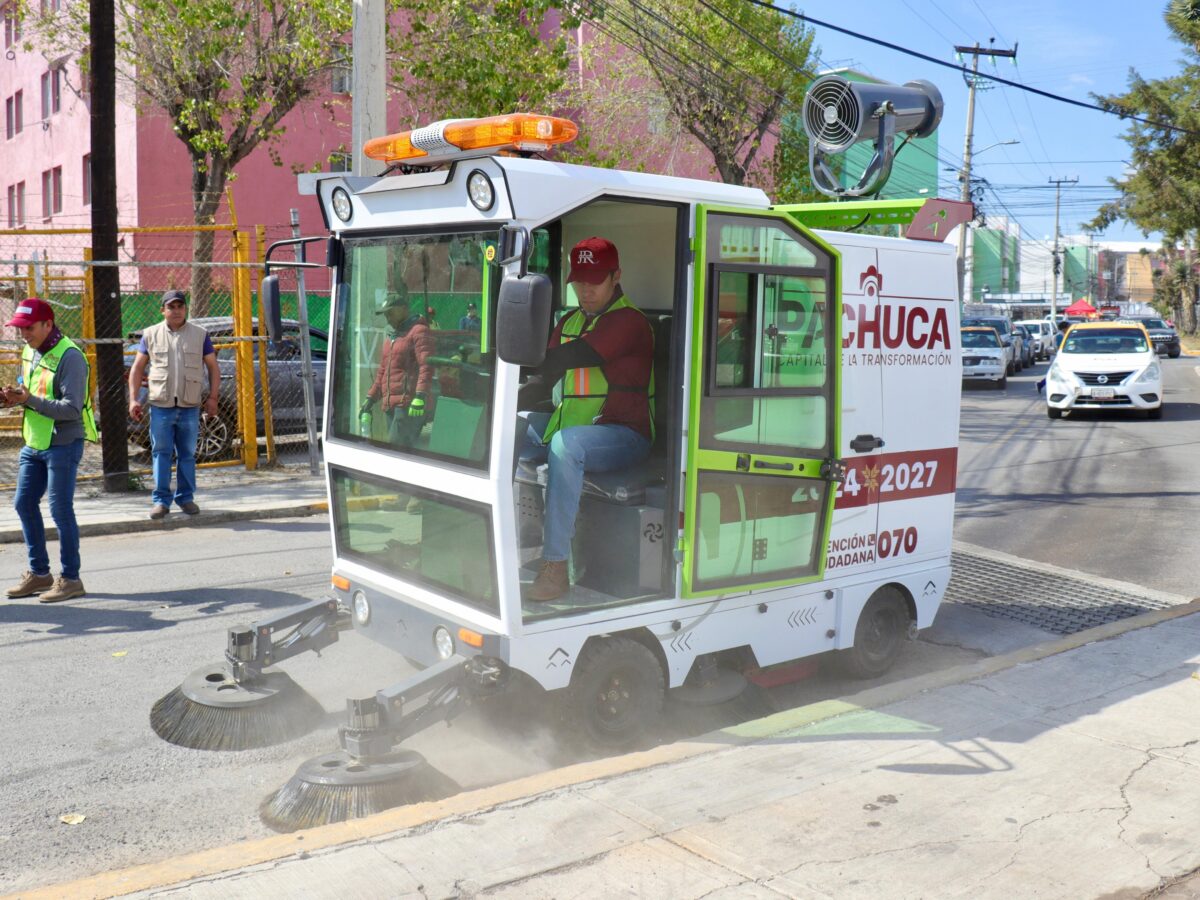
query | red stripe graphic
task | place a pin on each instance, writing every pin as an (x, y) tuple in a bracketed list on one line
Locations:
[(887, 477)]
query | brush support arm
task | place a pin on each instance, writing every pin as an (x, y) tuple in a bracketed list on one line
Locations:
[(313, 626), (376, 724)]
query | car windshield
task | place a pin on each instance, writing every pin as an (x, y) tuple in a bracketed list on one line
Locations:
[(1154, 323), (980, 339), (1001, 325), (1106, 340)]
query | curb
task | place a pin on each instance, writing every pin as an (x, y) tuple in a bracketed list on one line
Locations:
[(206, 517), (214, 862)]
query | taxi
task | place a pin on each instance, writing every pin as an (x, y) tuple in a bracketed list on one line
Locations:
[(984, 355), (1105, 365)]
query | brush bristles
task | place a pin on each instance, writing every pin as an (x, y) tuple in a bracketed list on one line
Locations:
[(303, 804), (277, 719)]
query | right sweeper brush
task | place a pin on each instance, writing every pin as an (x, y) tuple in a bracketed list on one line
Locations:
[(212, 711), (336, 786)]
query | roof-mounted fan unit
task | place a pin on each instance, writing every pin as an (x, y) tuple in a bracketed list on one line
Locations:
[(839, 113)]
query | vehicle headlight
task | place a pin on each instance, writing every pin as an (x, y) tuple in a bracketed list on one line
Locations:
[(1055, 373), (362, 608), (443, 643), (480, 190), (342, 207), (1152, 373)]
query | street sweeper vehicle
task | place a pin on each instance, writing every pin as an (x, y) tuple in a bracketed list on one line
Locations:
[(797, 497)]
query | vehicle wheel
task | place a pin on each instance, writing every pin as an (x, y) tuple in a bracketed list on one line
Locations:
[(1155, 413), (1010, 369), (1002, 383), (879, 635), (215, 439), (1174, 354), (1053, 413), (615, 695)]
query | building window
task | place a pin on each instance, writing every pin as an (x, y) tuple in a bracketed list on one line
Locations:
[(87, 179), (10, 120), (12, 206), (339, 161), (340, 79), (51, 92), (16, 205), (12, 25), (51, 192), (18, 112)]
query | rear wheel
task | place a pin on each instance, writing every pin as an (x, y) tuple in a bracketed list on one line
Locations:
[(615, 695), (879, 635), (215, 439), (1053, 413)]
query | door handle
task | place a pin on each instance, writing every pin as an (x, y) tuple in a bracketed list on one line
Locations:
[(864, 442), (781, 467)]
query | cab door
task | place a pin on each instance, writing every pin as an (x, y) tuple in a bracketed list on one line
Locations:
[(764, 416)]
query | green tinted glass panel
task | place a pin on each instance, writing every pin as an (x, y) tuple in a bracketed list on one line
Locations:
[(440, 274), (416, 535), (761, 243), (754, 528)]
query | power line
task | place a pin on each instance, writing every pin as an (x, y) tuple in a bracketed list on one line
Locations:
[(965, 71)]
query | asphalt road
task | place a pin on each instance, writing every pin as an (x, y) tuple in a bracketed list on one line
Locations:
[(1108, 493), (1113, 495)]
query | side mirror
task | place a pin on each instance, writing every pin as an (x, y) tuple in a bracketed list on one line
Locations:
[(523, 319), (269, 307)]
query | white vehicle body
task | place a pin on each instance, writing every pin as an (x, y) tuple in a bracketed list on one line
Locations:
[(981, 360), (430, 542), (1105, 365), (1040, 330)]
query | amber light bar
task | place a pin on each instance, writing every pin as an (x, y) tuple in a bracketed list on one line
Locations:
[(456, 137)]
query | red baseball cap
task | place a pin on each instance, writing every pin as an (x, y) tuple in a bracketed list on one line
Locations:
[(30, 311), (592, 259)]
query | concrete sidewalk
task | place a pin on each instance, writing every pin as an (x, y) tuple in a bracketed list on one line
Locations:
[(223, 494), (1065, 770)]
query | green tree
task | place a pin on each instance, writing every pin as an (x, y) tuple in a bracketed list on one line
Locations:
[(456, 59), (730, 71), (1161, 190), (225, 72)]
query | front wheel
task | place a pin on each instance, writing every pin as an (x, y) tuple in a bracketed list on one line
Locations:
[(1052, 413), (1002, 383), (879, 635), (1156, 413), (215, 438), (615, 695)]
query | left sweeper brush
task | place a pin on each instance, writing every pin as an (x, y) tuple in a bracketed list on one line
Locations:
[(237, 705)]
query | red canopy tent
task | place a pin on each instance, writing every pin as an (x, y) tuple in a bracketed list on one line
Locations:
[(1080, 308)]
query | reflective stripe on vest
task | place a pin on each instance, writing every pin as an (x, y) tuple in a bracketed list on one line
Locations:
[(37, 430), (585, 390)]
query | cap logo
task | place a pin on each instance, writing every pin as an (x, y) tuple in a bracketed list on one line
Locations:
[(586, 258), (24, 311)]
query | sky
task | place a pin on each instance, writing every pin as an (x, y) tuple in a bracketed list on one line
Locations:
[(1065, 47)]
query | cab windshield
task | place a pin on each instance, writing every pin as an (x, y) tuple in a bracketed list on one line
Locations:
[(980, 339), (413, 368), (1106, 340)]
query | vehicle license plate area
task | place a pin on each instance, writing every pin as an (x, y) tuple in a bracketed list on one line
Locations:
[(1103, 393)]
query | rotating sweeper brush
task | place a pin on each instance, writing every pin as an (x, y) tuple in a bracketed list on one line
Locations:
[(236, 705)]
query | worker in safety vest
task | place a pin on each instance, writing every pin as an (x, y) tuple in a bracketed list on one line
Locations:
[(57, 418), (603, 353)]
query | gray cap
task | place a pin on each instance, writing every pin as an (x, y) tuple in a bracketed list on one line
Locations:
[(392, 300)]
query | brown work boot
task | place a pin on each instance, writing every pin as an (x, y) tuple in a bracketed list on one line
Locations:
[(158, 511), (30, 584), (190, 508), (64, 589), (551, 583)]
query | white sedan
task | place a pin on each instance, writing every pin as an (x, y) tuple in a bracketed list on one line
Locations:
[(1105, 365)]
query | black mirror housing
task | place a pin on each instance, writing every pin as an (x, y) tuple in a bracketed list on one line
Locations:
[(270, 307), (523, 319)]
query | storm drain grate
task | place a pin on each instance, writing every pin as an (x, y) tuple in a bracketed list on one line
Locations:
[(1059, 604)]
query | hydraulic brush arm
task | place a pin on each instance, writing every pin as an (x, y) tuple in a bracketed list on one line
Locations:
[(313, 626)]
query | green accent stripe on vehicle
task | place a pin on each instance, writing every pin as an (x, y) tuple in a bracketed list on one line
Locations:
[(852, 213)]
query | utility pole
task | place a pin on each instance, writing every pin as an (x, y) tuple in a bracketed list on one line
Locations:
[(368, 82), (965, 243), (1057, 263)]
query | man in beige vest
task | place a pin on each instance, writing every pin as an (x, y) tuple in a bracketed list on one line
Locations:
[(178, 352)]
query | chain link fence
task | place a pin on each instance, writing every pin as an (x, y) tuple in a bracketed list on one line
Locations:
[(261, 397)]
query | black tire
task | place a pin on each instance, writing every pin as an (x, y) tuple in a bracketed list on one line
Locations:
[(1174, 354), (616, 694), (215, 438), (1010, 369), (1002, 383), (1156, 413), (1052, 413), (879, 635)]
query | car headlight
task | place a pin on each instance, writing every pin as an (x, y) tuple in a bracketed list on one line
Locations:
[(1152, 373), (480, 191), (342, 207), (1055, 373)]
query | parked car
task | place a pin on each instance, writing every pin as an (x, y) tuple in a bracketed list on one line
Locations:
[(1011, 340), (1105, 365), (1163, 335), (1043, 334), (284, 370), (985, 358), (1029, 344)]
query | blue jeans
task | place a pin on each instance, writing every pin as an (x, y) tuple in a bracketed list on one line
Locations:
[(571, 452), (173, 431), (54, 468)]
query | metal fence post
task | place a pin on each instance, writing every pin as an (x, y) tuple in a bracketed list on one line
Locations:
[(243, 327), (306, 366)]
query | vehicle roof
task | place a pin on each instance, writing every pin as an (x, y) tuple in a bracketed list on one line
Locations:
[(1092, 326), (978, 328)]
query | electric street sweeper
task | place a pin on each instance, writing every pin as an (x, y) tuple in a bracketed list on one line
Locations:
[(798, 497)]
